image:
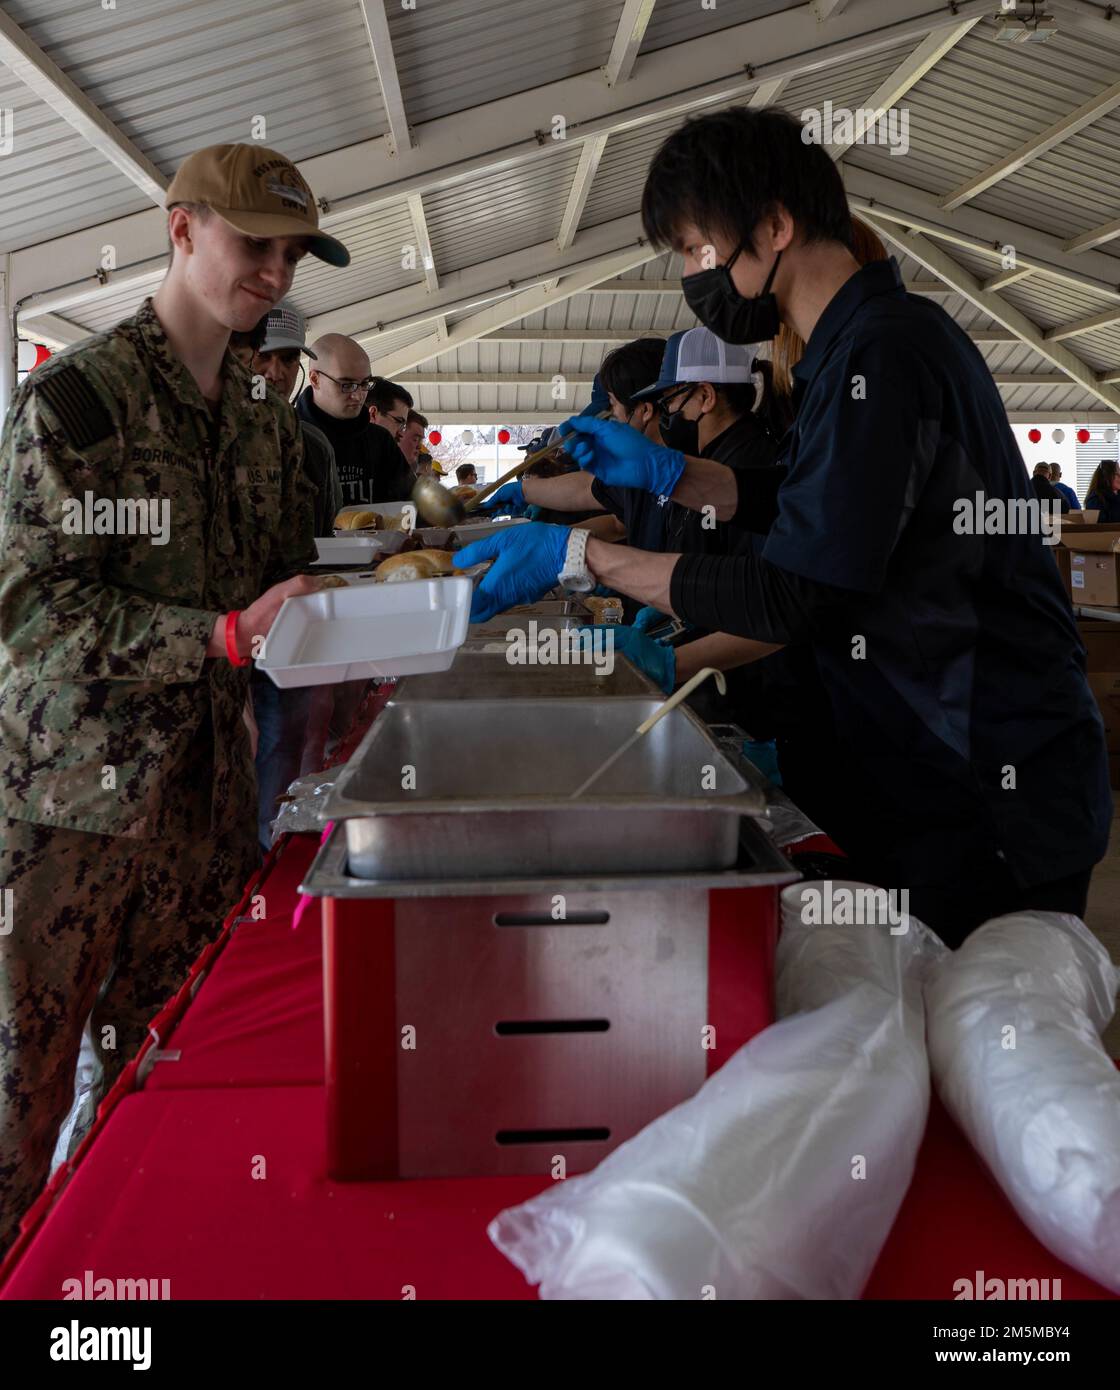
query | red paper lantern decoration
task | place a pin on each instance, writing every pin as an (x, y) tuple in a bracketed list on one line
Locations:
[(1035, 436), (41, 355), (503, 436), (1083, 436), (434, 437)]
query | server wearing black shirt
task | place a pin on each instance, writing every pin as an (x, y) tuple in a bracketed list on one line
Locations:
[(978, 777)]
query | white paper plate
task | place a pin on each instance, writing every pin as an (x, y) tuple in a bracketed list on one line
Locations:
[(368, 631)]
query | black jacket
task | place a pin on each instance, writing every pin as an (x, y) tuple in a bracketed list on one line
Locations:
[(371, 468)]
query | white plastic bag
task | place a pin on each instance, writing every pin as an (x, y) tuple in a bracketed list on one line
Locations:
[(782, 1176), (1015, 1017)]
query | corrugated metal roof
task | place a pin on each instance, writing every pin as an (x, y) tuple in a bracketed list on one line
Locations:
[(376, 244), (455, 54), (175, 76), (675, 21), (53, 181), (625, 163), (489, 215)]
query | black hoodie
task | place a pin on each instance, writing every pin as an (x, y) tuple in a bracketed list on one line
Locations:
[(371, 468)]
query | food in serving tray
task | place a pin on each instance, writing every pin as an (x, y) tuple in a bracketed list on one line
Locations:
[(603, 610), (360, 521), (332, 581), (465, 492), (415, 564)]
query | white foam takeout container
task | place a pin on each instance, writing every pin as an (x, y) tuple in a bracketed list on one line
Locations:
[(368, 631), (357, 547)]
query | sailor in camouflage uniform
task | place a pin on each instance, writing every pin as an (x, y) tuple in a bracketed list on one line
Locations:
[(127, 789)]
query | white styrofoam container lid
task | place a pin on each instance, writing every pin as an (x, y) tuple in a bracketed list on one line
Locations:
[(368, 631), (358, 548)]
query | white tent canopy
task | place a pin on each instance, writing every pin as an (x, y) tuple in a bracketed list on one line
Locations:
[(484, 160)]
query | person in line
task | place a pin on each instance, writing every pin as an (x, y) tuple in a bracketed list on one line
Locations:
[(412, 436), (1104, 492), (466, 475), (1045, 490), (127, 789), (388, 406), (292, 723), (371, 468), (1064, 488), (951, 658)]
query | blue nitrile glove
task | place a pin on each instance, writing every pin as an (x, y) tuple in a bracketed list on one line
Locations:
[(621, 456), (651, 658), (509, 498), (528, 562), (648, 617)]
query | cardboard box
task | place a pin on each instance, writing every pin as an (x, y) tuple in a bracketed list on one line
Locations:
[(1101, 639), (1114, 770), (1093, 564)]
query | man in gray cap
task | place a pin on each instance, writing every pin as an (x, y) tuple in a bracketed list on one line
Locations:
[(278, 361), (292, 724)]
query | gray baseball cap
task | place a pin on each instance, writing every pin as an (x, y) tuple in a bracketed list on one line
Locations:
[(285, 327)]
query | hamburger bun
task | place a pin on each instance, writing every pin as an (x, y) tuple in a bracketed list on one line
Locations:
[(332, 581), (465, 492), (364, 521), (415, 564)]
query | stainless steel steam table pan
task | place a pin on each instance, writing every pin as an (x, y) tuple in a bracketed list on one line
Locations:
[(482, 788)]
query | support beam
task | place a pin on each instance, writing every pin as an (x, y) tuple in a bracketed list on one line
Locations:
[(589, 158), (1088, 112), (510, 310), (767, 93), (8, 347), (979, 231), (628, 37), (498, 417), (50, 84), (695, 75), (939, 263), (1003, 278), (1063, 417), (423, 242), (574, 335), (492, 378), (1030, 379), (381, 48), (824, 10), (911, 70), (1096, 236), (1089, 324), (615, 244), (55, 332), (1109, 378)]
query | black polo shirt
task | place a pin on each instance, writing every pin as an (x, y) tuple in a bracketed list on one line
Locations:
[(658, 524), (951, 660)]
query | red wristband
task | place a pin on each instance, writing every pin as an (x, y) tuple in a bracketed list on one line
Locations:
[(231, 640)]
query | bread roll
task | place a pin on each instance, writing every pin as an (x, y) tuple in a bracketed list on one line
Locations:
[(332, 581), (465, 492), (415, 564), (365, 521)]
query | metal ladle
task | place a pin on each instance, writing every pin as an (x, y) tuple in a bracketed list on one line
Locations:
[(438, 506)]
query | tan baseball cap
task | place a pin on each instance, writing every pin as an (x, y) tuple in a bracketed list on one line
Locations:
[(257, 190)]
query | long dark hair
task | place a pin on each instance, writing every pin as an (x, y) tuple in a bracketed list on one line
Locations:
[(775, 411), (1101, 481)]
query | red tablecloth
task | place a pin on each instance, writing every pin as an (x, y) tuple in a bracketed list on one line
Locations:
[(212, 1175), (257, 1019)]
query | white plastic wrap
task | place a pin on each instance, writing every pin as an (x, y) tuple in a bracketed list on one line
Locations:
[(782, 1176), (1041, 1103)]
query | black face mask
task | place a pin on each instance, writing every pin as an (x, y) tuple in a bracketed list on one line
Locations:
[(713, 298), (677, 432)]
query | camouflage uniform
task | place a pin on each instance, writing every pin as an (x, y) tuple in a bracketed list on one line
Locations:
[(103, 677)]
